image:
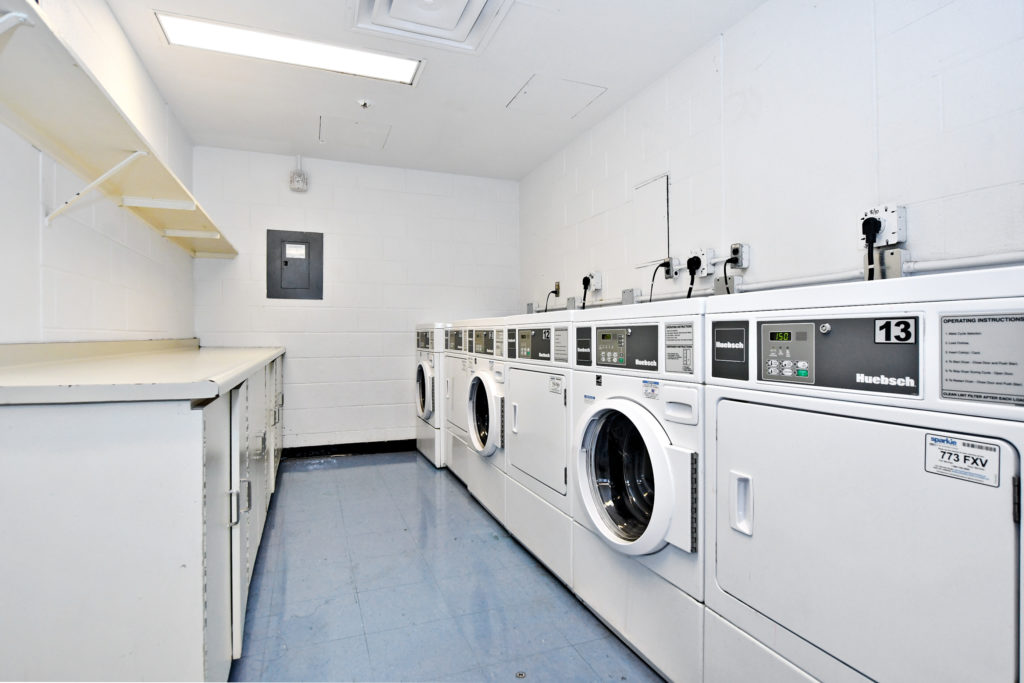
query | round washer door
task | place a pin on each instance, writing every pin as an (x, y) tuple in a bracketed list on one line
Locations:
[(484, 413), (624, 476), (425, 390)]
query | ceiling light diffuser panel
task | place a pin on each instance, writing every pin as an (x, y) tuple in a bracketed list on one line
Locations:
[(248, 42)]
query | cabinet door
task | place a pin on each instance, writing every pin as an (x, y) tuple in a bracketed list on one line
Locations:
[(256, 433), (217, 533), (274, 411), (241, 508)]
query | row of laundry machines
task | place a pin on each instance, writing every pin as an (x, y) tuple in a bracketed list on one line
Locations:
[(810, 484)]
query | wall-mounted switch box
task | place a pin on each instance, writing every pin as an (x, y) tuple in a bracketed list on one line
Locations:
[(295, 265)]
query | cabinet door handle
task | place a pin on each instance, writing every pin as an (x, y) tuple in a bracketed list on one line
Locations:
[(515, 418), (233, 511)]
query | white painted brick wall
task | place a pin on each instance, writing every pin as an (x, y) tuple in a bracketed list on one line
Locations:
[(400, 247), (784, 130), (96, 272)]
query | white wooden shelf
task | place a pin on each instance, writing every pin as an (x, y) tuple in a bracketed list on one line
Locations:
[(55, 103)]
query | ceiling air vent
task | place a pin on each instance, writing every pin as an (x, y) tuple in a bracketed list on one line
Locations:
[(459, 24)]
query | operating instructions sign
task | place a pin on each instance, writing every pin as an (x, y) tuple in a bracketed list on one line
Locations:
[(983, 357)]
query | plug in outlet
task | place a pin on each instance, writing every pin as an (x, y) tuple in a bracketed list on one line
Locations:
[(894, 224), (741, 252), (705, 256), (673, 268), (595, 281), (558, 289)]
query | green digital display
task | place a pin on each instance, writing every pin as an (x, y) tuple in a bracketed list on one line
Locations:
[(780, 336)]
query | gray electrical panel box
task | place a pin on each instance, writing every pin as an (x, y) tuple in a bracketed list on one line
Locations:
[(295, 265)]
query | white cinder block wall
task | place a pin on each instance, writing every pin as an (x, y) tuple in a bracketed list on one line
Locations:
[(784, 130), (400, 247), (97, 272)]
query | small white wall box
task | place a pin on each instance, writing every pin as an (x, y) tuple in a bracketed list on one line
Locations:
[(295, 265)]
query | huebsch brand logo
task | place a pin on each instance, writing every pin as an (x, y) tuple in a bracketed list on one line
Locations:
[(885, 380), (728, 345), (645, 363)]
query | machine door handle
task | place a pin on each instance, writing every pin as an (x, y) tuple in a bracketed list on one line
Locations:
[(741, 503), (515, 418), (447, 388)]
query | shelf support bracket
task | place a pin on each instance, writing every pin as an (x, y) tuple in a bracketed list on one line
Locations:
[(12, 20), (94, 184)]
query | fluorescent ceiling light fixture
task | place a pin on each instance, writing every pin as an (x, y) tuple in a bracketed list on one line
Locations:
[(247, 42)]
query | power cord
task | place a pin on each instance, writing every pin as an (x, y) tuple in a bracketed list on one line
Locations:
[(692, 265), (548, 298), (870, 227), (663, 264), (725, 271), (586, 286)]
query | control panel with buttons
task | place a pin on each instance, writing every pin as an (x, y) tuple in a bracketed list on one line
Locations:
[(787, 352), (611, 347)]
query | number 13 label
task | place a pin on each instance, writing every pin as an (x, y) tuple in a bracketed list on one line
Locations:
[(896, 330)]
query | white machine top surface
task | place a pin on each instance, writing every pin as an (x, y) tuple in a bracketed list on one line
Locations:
[(989, 283), (161, 370), (661, 309)]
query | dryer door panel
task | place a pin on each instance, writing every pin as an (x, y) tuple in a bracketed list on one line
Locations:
[(537, 433), (832, 527), (457, 392)]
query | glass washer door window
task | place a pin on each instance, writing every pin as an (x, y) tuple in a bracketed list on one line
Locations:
[(621, 475), (481, 410)]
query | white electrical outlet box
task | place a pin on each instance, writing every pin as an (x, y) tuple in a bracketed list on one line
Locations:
[(673, 268), (705, 255), (741, 252), (894, 224), (595, 281)]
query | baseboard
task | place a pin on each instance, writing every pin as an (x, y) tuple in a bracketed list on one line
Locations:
[(349, 449)]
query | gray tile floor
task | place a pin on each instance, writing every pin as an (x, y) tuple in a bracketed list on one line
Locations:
[(379, 567)]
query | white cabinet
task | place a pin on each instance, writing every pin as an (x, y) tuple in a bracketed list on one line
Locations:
[(125, 520)]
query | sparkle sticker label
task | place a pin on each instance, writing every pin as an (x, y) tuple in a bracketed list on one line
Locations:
[(968, 459), (555, 385), (983, 358), (651, 388)]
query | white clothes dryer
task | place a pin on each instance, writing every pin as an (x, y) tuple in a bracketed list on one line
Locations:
[(429, 392), (636, 454), (456, 393), (537, 432), (863, 464), (484, 408)]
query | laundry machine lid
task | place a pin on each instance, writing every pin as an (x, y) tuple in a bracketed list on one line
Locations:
[(425, 390), (486, 414), (625, 478)]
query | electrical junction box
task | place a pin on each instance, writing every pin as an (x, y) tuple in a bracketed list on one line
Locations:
[(894, 225), (295, 265)]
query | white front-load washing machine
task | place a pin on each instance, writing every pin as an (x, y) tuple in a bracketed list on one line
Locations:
[(537, 431), (863, 463), (484, 408), (429, 392), (637, 453)]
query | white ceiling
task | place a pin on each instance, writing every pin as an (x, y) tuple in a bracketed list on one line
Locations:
[(457, 117)]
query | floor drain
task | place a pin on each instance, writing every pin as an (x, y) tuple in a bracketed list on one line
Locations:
[(520, 674)]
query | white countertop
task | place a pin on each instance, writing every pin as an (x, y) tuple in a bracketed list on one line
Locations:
[(162, 370)]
